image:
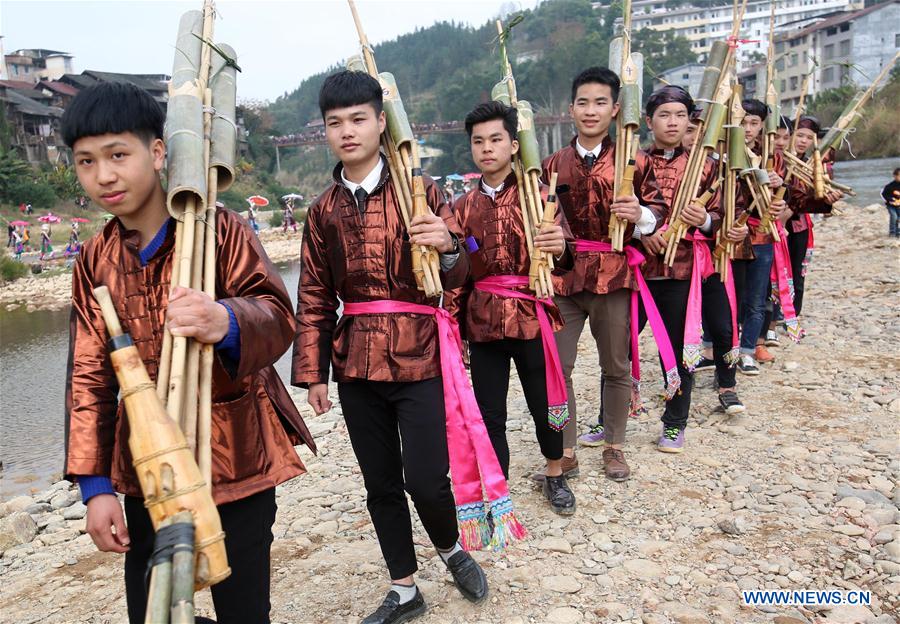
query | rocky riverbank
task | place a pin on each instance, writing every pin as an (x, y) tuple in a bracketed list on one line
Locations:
[(798, 493), (53, 290)]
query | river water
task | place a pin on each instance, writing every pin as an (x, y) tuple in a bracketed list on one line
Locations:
[(34, 348)]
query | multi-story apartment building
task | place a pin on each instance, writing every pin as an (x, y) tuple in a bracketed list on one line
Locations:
[(34, 65), (705, 21)]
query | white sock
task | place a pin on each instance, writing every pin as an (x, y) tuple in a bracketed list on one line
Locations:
[(446, 554), (406, 592)]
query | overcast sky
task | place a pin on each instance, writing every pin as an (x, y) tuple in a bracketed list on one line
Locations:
[(279, 43)]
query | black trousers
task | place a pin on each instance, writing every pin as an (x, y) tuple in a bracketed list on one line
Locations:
[(797, 244), (671, 297), (241, 598), (399, 435), (489, 362), (739, 272), (717, 326)]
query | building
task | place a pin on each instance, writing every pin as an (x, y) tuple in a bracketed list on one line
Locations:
[(703, 21), (687, 76), (842, 49), (34, 65), (33, 125)]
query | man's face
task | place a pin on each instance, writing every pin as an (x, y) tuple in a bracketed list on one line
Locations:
[(689, 134), (492, 149), (669, 123), (354, 133), (782, 139), (118, 171), (803, 139), (593, 110), (753, 125)]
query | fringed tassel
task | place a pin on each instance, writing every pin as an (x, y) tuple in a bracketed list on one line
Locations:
[(773, 293), (507, 528), (806, 260), (474, 531), (673, 383), (558, 416), (637, 404), (792, 326), (790, 283), (691, 356), (733, 357)]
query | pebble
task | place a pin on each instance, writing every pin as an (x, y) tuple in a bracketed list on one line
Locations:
[(75, 512), (643, 569), (561, 584), (555, 544), (564, 615), (848, 529), (16, 528)]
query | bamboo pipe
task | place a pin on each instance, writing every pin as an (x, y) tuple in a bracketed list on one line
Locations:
[(182, 605), (165, 357), (159, 595)]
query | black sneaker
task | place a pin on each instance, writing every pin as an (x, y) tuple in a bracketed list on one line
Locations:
[(731, 403), (705, 364), (561, 498), (747, 364), (468, 576), (392, 612)]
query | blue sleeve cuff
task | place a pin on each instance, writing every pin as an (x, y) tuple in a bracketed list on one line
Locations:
[(230, 345), (91, 486)]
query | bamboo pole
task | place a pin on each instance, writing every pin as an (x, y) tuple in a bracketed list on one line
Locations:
[(182, 602), (159, 595)]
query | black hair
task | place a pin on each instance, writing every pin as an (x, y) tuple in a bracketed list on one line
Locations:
[(897, 170), (755, 107), (784, 122), (808, 122), (350, 88), (667, 95), (489, 111), (600, 75), (113, 108)]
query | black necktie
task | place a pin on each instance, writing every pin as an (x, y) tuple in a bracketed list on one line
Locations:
[(589, 160), (360, 195)]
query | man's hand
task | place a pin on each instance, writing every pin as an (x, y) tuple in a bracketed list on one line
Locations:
[(775, 180), (104, 513), (551, 239), (193, 313), (833, 196), (654, 243), (317, 397), (430, 230), (694, 214), (628, 208), (777, 207), (737, 233)]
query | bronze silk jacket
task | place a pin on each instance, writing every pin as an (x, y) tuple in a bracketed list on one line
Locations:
[(255, 424), (496, 227), (802, 200), (669, 173), (354, 258), (585, 197)]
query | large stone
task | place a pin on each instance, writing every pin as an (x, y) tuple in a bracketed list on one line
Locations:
[(872, 497), (848, 614), (19, 503), (564, 615), (62, 499), (849, 529), (17, 528), (75, 512), (342, 486), (555, 544), (643, 568), (561, 584)]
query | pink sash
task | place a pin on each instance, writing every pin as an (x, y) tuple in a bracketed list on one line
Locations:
[(783, 284), (810, 244), (635, 258), (557, 400), (693, 330), (474, 469)]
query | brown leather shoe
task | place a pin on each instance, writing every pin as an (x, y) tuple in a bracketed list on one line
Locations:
[(569, 469), (763, 356), (614, 464)]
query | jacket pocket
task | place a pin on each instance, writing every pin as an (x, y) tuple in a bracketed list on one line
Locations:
[(237, 444), (412, 335)]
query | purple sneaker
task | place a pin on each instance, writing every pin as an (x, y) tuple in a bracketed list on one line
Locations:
[(671, 440), (594, 436)]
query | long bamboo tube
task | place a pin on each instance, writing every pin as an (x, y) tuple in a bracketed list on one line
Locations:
[(159, 594), (182, 602)]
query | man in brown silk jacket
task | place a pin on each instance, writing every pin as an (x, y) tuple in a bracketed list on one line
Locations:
[(115, 134), (499, 327), (387, 366), (599, 287)]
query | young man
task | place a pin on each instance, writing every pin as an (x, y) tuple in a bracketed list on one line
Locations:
[(753, 261), (356, 250), (115, 132), (719, 319), (891, 195), (497, 313), (801, 203), (678, 290), (599, 286)]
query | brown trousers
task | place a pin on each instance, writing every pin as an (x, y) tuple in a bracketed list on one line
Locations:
[(609, 321)]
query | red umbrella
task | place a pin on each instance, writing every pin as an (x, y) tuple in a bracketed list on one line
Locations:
[(471, 176), (80, 220), (258, 200), (18, 222), (49, 218)]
